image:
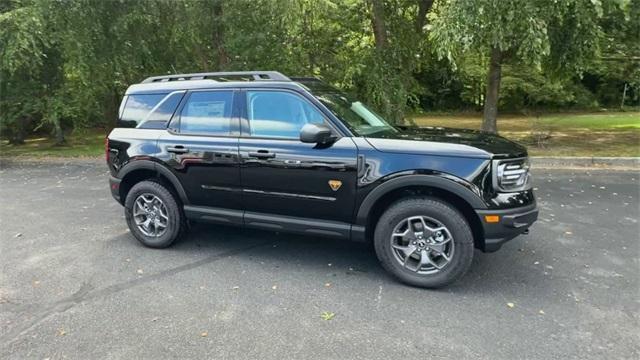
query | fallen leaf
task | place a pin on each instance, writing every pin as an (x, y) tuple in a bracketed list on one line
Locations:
[(154, 319), (61, 332), (204, 334), (541, 312), (568, 232), (17, 235), (511, 305), (274, 287), (36, 282), (235, 288), (327, 285), (140, 271), (327, 315)]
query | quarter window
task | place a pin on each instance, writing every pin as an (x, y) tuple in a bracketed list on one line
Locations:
[(159, 117), (138, 107), (279, 114), (207, 112)]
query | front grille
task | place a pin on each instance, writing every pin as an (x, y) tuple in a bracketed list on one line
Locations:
[(511, 175)]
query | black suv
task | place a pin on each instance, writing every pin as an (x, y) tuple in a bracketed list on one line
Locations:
[(262, 150)]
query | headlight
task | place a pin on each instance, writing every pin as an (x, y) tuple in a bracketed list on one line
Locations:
[(511, 175)]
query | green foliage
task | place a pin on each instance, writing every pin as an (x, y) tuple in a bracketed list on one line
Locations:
[(560, 33), (65, 64)]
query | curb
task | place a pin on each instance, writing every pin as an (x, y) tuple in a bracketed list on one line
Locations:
[(623, 163)]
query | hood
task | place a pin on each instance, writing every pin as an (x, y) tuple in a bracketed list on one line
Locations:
[(447, 142)]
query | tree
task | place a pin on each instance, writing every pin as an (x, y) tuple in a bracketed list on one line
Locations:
[(558, 35)]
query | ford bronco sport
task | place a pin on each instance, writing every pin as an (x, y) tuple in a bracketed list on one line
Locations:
[(261, 150)]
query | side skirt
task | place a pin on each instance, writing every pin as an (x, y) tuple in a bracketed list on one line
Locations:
[(273, 222)]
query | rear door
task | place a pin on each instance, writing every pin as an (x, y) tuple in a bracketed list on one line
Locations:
[(282, 175), (201, 148)]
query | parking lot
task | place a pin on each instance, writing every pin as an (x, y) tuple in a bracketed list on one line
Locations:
[(75, 284)]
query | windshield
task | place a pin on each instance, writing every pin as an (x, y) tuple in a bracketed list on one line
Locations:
[(360, 119)]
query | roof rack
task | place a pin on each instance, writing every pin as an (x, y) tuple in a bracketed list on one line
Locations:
[(256, 75), (305, 78)]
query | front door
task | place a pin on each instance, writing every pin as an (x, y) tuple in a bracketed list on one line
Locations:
[(201, 146), (283, 176)]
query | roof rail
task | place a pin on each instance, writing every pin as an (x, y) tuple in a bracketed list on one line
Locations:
[(305, 78), (256, 75)]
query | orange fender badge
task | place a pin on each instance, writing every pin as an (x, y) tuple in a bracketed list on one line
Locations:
[(335, 184)]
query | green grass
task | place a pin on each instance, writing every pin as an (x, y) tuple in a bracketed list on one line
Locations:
[(614, 121), (84, 144), (594, 134)]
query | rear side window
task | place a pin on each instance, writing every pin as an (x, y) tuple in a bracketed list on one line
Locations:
[(137, 108), (208, 113), (159, 117)]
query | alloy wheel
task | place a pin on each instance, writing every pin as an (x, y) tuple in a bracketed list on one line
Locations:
[(422, 244), (150, 215)]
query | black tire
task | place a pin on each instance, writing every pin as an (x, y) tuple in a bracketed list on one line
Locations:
[(436, 209), (176, 223)]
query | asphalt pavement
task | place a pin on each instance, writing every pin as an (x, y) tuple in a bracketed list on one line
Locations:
[(74, 283)]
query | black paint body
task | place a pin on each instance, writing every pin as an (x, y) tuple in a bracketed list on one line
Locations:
[(283, 184)]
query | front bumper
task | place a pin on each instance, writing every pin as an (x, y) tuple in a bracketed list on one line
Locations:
[(114, 185), (511, 223)]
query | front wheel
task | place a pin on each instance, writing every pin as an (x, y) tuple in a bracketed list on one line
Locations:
[(424, 242), (153, 214)]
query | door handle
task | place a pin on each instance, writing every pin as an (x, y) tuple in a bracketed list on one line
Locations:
[(262, 154), (178, 149)]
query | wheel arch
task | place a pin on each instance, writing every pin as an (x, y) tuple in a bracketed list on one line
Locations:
[(141, 170), (463, 199)]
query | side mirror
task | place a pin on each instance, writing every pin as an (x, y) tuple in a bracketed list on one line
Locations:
[(316, 134)]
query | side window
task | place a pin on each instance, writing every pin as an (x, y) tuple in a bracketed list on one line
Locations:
[(159, 117), (207, 112), (279, 114), (137, 107)]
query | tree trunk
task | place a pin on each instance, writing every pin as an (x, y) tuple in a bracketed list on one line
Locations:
[(493, 87), (624, 95), (222, 58), (421, 19), (111, 109), (57, 131), (17, 136), (378, 23)]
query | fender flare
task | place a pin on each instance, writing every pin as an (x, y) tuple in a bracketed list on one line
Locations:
[(440, 182), (135, 165)]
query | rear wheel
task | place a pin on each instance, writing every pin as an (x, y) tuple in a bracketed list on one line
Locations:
[(424, 242), (153, 214)]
